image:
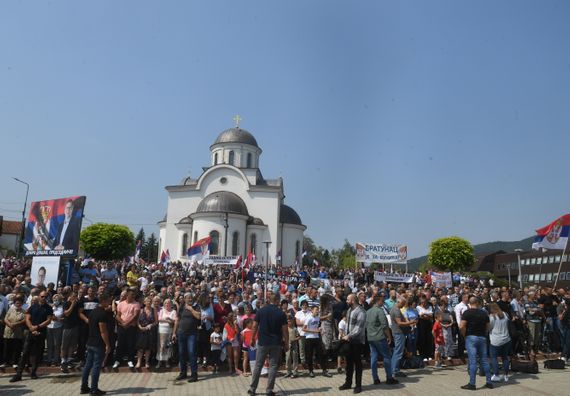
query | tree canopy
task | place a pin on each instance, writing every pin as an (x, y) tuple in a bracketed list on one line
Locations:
[(451, 254), (108, 241)]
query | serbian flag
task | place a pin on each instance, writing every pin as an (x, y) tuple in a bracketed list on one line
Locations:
[(138, 251), (163, 257), (238, 263), (554, 235), (249, 259), (199, 249)]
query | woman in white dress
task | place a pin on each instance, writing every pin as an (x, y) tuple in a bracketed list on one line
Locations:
[(166, 318)]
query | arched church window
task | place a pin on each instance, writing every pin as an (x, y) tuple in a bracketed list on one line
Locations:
[(297, 250), (216, 159), (235, 242), (253, 243), (214, 245), (248, 165), (195, 237), (231, 157), (184, 244)]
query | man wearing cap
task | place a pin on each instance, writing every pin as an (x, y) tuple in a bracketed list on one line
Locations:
[(379, 339)]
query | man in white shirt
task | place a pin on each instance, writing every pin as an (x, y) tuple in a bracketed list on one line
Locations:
[(300, 318), (459, 310)]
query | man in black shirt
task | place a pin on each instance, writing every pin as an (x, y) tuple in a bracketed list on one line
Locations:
[(474, 327), (98, 345), (271, 327), (86, 305), (71, 323), (38, 317)]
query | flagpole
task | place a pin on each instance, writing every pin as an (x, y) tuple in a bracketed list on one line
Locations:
[(560, 266)]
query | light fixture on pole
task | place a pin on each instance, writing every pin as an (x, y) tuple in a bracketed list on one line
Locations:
[(267, 243), (21, 244), (226, 225), (518, 252)]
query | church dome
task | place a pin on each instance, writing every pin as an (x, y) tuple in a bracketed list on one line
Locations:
[(289, 216), (222, 201), (236, 135)]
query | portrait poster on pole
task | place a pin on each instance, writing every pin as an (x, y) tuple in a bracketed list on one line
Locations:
[(54, 227), (45, 270)]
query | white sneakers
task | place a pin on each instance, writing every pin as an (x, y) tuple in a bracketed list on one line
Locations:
[(496, 378), (117, 364), (506, 378), (131, 365)]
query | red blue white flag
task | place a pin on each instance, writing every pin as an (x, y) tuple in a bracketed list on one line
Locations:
[(199, 249), (554, 235)]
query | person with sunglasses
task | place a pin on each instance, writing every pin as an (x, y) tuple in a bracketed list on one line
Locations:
[(38, 317)]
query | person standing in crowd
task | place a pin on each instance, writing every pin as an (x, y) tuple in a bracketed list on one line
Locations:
[(186, 333), (86, 305), (300, 317), (534, 317), (215, 348), (446, 325), (459, 309), (15, 321), (37, 318), (98, 345), (231, 335), (356, 327), (166, 319), (270, 328), (398, 324), (439, 341), (146, 339), (71, 322), (425, 324), (474, 327), (379, 339), (55, 332), (292, 354), (313, 342), (563, 311), (500, 341), (127, 321), (327, 326), (207, 320)]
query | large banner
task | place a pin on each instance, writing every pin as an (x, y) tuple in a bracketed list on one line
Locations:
[(45, 270), (54, 226), (221, 260), (369, 253), (285, 278), (393, 278)]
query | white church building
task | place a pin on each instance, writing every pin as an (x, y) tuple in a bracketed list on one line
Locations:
[(233, 203)]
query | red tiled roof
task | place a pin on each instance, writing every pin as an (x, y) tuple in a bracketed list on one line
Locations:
[(11, 227)]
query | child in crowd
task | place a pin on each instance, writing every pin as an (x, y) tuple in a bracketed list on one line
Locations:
[(439, 341), (246, 336), (216, 347), (292, 353)]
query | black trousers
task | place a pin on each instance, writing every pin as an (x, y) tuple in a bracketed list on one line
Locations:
[(354, 364), (126, 343), (33, 350), (82, 341), (314, 346), (12, 350)]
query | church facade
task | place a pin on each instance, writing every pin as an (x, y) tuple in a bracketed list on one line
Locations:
[(233, 203)]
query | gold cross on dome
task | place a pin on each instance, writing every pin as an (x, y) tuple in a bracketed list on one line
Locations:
[(237, 119)]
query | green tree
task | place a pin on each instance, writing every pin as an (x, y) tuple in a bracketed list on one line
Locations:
[(108, 241), (451, 254), (346, 255), (151, 248)]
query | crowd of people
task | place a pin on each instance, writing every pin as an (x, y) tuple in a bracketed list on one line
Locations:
[(158, 316)]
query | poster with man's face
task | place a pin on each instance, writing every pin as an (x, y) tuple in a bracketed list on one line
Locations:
[(54, 227), (45, 270)]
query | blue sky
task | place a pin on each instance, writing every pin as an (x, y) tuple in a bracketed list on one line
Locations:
[(395, 121)]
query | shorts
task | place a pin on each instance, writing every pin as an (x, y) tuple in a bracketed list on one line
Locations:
[(440, 349)]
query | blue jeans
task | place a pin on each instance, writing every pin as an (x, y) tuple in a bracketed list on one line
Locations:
[(92, 361), (412, 341), (378, 348), (187, 352), (503, 351), (477, 347), (566, 342), (399, 342)]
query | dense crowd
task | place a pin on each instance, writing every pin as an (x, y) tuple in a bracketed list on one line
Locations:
[(163, 315)]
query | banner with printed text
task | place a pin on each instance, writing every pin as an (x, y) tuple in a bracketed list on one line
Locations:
[(383, 253), (393, 277)]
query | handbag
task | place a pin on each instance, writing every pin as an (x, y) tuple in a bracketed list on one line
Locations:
[(525, 366), (557, 364)]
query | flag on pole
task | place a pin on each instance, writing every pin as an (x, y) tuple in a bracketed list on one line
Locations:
[(167, 256), (163, 257), (554, 235), (199, 249), (238, 263), (138, 250), (315, 263), (249, 259)]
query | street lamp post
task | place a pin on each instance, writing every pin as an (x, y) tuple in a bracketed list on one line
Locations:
[(509, 271), (518, 252), (226, 225), (21, 244), (267, 243)]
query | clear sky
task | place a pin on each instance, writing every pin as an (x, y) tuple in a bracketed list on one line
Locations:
[(400, 121)]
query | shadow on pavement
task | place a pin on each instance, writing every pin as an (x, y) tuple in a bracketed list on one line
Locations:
[(133, 390), (306, 391), (15, 390)]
